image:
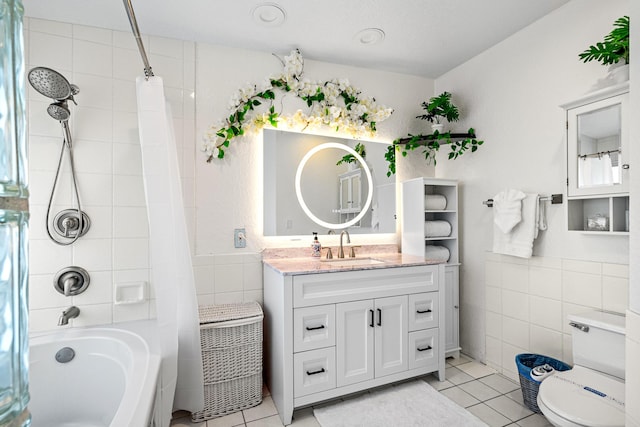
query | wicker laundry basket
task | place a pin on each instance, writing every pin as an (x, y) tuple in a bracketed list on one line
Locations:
[(231, 341)]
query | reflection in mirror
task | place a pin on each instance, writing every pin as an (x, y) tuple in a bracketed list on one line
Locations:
[(354, 198), (599, 155), (334, 193)]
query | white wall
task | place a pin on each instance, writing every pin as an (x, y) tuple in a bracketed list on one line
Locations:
[(511, 94), (633, 315), (229, 192), (104, 64)]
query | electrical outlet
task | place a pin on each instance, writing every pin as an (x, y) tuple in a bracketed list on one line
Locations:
[(239, 238)]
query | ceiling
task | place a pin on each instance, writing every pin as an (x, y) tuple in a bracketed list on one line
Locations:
[(421, 37)]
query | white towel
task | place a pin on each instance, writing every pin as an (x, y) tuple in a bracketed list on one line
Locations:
[(507, 209), (519, 242), (437, 253), (437, 229), (435, 202)]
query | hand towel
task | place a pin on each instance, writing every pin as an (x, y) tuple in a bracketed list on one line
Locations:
[(507, 209), (437, 229), (437, 253), (519, 241), (435, 202)]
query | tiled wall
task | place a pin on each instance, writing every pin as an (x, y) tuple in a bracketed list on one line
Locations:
[(632, 349), (527, 302), (229, 278), (104, 64)]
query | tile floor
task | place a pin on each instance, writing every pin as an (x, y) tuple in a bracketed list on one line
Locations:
[(493, 398)]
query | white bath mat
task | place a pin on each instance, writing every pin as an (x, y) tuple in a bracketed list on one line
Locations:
[(411, 404)]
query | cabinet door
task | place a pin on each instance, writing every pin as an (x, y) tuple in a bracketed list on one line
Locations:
[(597, 153), (354, 342), (391, 335), (451, 311)]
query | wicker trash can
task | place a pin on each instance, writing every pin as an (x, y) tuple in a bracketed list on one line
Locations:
[(525, 362), (231, 341)]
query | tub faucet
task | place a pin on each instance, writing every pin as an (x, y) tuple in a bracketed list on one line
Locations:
[(341, 250), (70, 313)]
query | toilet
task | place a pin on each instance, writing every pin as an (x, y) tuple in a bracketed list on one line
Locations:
[(592, 393)]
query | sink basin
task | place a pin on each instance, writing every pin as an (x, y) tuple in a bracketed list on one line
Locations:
[(352, 262)]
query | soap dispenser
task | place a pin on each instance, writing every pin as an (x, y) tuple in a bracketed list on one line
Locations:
[(316, 247)]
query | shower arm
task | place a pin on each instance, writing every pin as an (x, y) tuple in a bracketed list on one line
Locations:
[(136, 32)]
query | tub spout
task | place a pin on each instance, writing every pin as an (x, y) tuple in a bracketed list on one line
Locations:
[(70, 313)]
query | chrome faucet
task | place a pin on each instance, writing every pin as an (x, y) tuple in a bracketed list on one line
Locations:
[(70, 313), (341, 250)]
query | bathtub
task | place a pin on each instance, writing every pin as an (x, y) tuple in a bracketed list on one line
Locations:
[(110, 381)]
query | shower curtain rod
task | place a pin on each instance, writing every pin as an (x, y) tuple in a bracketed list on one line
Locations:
[(136, 32)]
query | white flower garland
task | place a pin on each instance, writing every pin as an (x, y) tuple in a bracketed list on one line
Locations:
[(333, 103)]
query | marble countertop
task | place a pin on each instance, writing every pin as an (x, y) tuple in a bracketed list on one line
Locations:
[(368, 261)]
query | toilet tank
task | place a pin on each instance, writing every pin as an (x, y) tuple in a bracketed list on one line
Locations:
[(598, 341)]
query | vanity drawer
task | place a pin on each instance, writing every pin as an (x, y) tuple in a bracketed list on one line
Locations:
[(314, 371), (423, 311), (314, 327), (423, 349), (327, 288)]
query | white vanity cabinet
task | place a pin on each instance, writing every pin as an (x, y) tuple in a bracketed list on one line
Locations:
[(598, 161), (336, 333)]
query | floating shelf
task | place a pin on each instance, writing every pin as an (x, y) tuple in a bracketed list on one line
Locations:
[(442, 136)]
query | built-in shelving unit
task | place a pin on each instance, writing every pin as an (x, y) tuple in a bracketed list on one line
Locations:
[(415, 242)]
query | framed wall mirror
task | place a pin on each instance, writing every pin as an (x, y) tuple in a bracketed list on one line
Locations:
[(355, 194)]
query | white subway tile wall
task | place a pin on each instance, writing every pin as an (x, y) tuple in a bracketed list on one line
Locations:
[(632, 349), (104, 125), (527, 303)]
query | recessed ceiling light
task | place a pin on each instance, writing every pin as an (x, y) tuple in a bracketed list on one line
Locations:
[(369, 36), (269, 14)]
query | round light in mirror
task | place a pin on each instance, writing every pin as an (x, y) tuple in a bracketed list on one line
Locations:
[(304, 205)]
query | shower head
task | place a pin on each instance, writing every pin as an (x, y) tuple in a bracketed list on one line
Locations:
[(59, 111), (51, 84)]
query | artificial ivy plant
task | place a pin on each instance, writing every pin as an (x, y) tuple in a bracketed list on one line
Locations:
[(614, 48), (350, 158)]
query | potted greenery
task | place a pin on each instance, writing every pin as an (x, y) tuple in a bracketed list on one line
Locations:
[(613, 50), (439, 108)]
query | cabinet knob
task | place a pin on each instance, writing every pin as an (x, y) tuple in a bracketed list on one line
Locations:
[(455, 306), (625, 166)]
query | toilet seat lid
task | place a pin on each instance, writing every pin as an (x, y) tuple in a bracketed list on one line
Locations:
[(584, 397)]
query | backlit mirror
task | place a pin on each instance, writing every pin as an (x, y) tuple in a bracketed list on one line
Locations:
[(599, 147), (334, 195)]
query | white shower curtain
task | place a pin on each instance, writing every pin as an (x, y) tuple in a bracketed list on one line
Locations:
[(181, 382)]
